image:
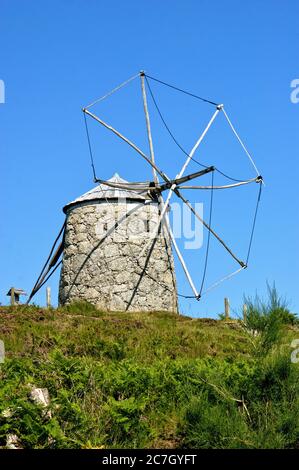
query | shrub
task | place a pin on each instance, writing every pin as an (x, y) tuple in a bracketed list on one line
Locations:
[(262, 413), (126, 422), (267, 318), (217, 426), (260, 313)]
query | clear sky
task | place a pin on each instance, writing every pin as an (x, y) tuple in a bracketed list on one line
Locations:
[(58, 55)]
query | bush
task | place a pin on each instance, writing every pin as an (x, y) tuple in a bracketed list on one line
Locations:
[(267, 318), (263, 413), (127, 424), (260, 313), (220, 426)]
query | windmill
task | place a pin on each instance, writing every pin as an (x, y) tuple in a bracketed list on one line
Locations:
[(87, 271)]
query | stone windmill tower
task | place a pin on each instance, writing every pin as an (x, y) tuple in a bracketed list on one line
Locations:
[(105, 232)]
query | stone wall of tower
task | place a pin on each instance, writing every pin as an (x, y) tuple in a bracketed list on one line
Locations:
[(102, 260)]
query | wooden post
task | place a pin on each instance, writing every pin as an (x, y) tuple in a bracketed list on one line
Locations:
[(148, 125), (226, 308), (12, 296), (245, 313), (48, 295), (2, 351)]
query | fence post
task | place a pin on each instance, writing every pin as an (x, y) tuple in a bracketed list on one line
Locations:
[(245, 313), (48, 295), (12, 296), (226, 308)]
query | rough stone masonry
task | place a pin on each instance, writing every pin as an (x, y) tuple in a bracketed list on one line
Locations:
[(106, 230)]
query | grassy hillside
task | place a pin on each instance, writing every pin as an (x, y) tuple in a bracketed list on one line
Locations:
[(145, 380)]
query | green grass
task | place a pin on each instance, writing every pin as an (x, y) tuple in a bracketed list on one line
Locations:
[(32, 331), (145, 380)]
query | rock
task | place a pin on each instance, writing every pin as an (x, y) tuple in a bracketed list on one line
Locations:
[(40, 396), (7, 413), (13, 442)]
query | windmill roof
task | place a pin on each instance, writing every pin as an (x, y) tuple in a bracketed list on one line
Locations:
[(103, 192)]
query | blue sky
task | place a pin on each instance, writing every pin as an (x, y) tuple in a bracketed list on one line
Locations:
[(57, 56)]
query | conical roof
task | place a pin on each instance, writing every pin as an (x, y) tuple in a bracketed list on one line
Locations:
[(103, 191)]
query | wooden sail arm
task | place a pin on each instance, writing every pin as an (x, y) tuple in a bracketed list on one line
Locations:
[(207, 226), (50, 265), (129, 142), (151, 185), (183, 179), (226, 186)]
